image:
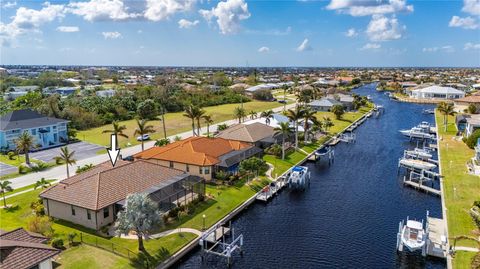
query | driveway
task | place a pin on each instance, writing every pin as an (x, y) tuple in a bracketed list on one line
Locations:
[(6, 169), (83, 150)]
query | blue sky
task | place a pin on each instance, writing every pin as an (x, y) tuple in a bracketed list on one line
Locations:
[(241, 32)]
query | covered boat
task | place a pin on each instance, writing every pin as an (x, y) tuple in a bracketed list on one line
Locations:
[(419, 154), (299, 177), (417, 164), (412, 235)]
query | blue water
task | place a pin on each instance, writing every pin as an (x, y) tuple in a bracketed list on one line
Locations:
[(348, 217)]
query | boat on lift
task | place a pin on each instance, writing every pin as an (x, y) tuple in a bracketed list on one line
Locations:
[(299, 177), (411, 235), (417, 132), (425, 126), (416, 164), (419, 154), (325, 151)]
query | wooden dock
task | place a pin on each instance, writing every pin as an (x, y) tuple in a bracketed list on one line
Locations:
[(270, 191), (436, 244), (420, 186), (216, 235), (334, 141)]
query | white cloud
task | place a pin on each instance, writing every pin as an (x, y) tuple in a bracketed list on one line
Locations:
[(371, 46), (9, 4), (158, 10), (447, 48), (369, 7), (351, 32), (465, 23), (101, 10), (264, 49), (68, 29), (471, 7), (469, 46), (186, 24), (228, 14), (382, 28), (304, 46), (111, 35), (433, 49)]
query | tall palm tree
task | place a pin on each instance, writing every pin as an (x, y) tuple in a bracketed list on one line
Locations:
[(66, 157), (24, 143), (239, 113), (42, 183), (283, 129), (294, 115), (285, 88), (117, 130), (162, 119), (267, 115), (4, 188), (190, 113), (327, 123), (447, 109), (308, 115), (143, 129), (253, 115), (208, 121), (199, 113)]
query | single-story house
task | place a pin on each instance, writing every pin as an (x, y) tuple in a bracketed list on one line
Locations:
[(63, 91), (324, 104), (20, 249), (46, 131), (106, 93), (14, 92), (275, 121), (436, 92), (257, 134), (345, 99), (201, 156), (463, 103), (93, 198)]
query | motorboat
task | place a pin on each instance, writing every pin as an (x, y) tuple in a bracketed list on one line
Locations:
[(325, 151), (411, 235), (429, 111), (299, 177), (417, 132), (419, 154), (416, 164), (425, 126)]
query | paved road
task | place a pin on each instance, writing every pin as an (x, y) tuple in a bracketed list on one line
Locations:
[(59, 172), (6, 169), (83, 150)]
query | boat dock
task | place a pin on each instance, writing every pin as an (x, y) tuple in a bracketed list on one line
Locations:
[(420, 186), (436, 244), (217, 234), (270, 191)]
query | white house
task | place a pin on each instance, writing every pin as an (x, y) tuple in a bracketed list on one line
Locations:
[(436, 92)]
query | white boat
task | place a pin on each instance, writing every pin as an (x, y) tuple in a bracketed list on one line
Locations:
[(412, 235), (417, 164), (325, 151), (417, 132), (428, 111), (425, 126), (420, 154), (299, 177)]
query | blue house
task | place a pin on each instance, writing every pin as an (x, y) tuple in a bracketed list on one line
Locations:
[(46, 131)]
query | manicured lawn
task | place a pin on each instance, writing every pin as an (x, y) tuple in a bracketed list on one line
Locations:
[(25, 188), (17, 160), (281, 166), (463, 259), (85, 256), (460, 188), (175, 123)]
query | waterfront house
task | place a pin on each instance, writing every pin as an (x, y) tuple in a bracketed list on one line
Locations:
[(93, 198), (435, 92), (275, 121), (462, 104), (20, 249), (324, 104), (345, 99), (201, 156), (467, 123), (46, 131), (257, 134)]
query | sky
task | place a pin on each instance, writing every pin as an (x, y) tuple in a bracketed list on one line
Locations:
[(240, 33)]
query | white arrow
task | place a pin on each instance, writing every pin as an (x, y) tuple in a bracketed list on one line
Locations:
[(113, 151)]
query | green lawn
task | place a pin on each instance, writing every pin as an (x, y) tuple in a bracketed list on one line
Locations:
[(85, 256), (281, 166), (460, 188), (463, 259), (175, 123), (25, 188)]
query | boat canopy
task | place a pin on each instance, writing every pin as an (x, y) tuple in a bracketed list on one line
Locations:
[(414, 224)]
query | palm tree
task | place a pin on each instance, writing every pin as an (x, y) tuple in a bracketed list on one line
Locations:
[(66, 157), (307, 115), (190, 113), (42, 183), (283, 129), (239, 113), (199, 112), (447, 109), (267, 115), (295, 115), (284, 87), (4, 188), (208, 121), (162, 119), (143, 129), (117, 130), (24, 143), (253, 115), (327, 123), (338, 111)]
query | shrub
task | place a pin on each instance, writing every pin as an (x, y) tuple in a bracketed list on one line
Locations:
[(472, 109), (222, 127), (11, 155), (263, 95), (57, 243), (471, 141), (71, 237), (39, 224), (40, 166), (275, 150), (38, 207), (173, 213), (221, 175), (81, 169), (22, 169)]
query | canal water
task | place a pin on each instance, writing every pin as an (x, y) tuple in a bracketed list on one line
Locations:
[(348, 217)]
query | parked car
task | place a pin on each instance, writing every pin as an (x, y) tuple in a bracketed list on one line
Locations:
[(282, 101), (128, 158), (143, 137)]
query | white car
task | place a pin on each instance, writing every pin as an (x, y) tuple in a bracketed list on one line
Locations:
[(143, 137)]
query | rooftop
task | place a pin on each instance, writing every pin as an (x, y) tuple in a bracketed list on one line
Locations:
[(24, 119), (247, 133)]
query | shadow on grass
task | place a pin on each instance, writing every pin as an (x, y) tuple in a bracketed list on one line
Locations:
[(147, 260), (11, 208), (198, 210)]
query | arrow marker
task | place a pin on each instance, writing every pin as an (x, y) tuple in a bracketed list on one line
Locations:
[(113, 151)]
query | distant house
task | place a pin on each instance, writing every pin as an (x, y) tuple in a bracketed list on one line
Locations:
[(345, 99), (13, 93), (47, 131), (275, 121), (201, 156), (63, 91), (463, 103), (436, 92), (258, 134), (324, 104), (20, 249), (106, 93), (93, 198)]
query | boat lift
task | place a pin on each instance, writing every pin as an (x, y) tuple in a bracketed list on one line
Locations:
[(348, 137), (220, 247)]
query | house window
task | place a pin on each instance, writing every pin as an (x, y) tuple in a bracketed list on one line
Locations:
[(187, 168), (171, 164), (200, 170), (89, 216), (34, 131), (207, 170), (106, 213), (73, 211)]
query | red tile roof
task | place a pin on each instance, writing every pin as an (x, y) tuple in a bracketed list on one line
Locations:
[(202, 151), (105, 185)]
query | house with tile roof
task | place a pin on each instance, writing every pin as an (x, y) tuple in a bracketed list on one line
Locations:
[(324, 104), (46, 131), (257, 134), (462, 104), (201, 156), (20, 249), (93, 198)]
